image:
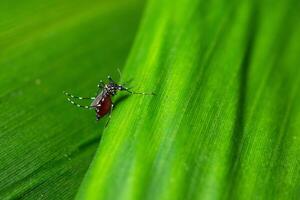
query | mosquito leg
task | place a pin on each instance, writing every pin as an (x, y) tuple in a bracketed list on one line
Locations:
[(141, 93), (97, 117), (109, 116), (110, 79), (77, 97), (101, 84), (78, 105)]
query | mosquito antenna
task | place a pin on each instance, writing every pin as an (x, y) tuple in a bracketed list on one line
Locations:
[(120, 74)]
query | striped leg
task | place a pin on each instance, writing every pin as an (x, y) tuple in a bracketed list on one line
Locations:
[(109, 116), (77, 97), (141, 93), (101, 85), (79, 106)]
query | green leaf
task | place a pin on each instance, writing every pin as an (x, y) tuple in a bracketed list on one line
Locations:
[(46, 144), (225, 121)]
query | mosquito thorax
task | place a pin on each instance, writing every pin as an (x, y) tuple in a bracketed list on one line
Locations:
[(112, 88)]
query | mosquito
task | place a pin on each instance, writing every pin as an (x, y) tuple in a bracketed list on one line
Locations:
[(102, 103)]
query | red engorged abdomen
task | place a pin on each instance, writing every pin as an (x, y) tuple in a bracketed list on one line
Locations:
[(104, 106)]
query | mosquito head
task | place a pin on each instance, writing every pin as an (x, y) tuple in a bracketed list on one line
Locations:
[(112, 88)]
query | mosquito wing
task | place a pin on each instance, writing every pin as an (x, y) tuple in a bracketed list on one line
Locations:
[(97, 99)]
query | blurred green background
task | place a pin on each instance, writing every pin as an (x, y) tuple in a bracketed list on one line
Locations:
[(48, 47), (224, 123)]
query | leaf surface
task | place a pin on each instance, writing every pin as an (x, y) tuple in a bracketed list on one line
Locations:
[(224, 123)]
